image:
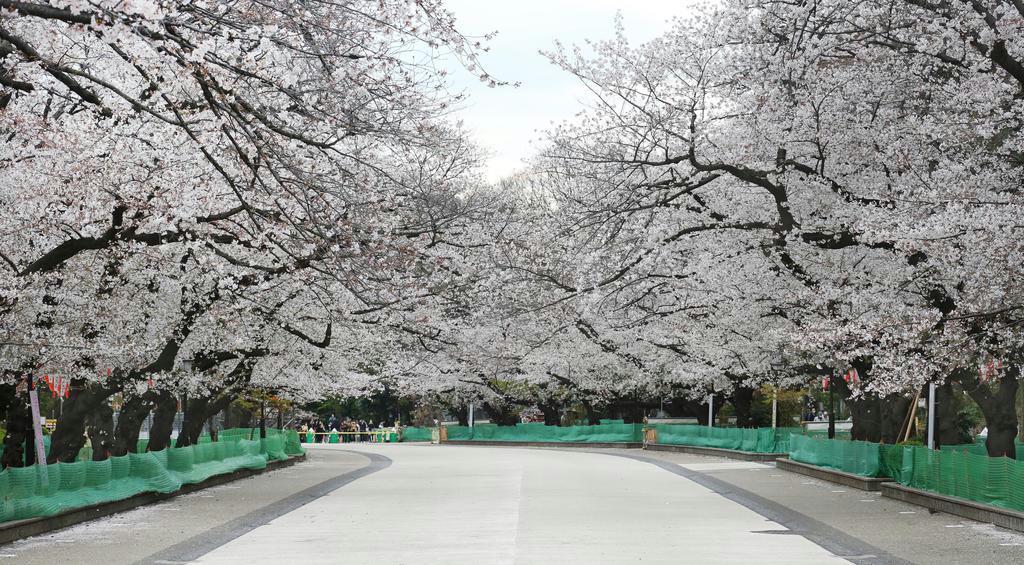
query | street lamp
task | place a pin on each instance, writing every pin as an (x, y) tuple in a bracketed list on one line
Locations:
[(777, 366)]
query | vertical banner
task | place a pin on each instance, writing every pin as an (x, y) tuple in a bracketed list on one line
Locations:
[(37, 427)]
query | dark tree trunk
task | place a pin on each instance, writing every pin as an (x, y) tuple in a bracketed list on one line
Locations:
[(163, 422), (593, 417), (947, 417), (19, 431), (216, 407), (203, 410), (129, 423), (998, 402), (864, 412), (69, 437), (893, 412), (685, 407), (193, 422), (552, 414), (501, 415), (461, 413), (742, 401), (101, 432), (8, 397), (702, 411)]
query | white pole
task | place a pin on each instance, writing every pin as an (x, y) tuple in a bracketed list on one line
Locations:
[(775, 406), (711, 410), (471, 414), (931, 415)]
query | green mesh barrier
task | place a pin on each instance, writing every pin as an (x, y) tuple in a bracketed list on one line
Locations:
[(840, 434), (978, 448), (990, 480), (602, 433), (857, 457), (417, 434), (83, 483), (757, 440), (24, 493), (896, 462)]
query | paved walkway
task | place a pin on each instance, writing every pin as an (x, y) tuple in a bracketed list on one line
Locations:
[(415, 503), (496, 505)]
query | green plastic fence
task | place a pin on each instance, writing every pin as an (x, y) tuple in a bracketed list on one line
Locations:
[(978, 448), (758, 440), (896, 462), (601, 433), (29, 492), (857, 457), (990, 480), (960, 471), (417, 434)]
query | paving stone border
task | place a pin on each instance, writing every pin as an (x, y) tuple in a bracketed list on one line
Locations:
[(1003, 517), (622, 445), (717, 452), (873, 484)]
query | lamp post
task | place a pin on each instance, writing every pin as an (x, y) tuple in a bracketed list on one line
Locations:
[(777, 366), (775, 406), (931, 415), (831, 407), (711, 410)]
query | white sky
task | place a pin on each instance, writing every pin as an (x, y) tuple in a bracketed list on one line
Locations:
[(504, 120)]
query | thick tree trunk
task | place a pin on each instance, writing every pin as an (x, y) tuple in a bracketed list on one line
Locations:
[(742, 401), (593, 417), (998, 402), (200, 412), (552, 414), (193, 422), (101, 432), (501, 415), (893, 411), (461, 414), (947, 417), (19, 431), (69, 437), (129, 423), (163, 422), (864, 412)]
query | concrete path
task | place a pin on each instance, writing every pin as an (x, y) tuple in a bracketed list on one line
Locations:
[(481, 505), (152, 533)]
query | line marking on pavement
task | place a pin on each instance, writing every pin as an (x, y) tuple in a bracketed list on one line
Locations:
[(839, 543), (197, 546)]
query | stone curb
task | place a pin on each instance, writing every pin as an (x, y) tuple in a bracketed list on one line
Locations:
[(1003, 517), (624, 445), (717, 452), (873, 484), (19, 529)]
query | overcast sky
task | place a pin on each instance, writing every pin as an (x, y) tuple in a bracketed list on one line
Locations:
[(506, 119)]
